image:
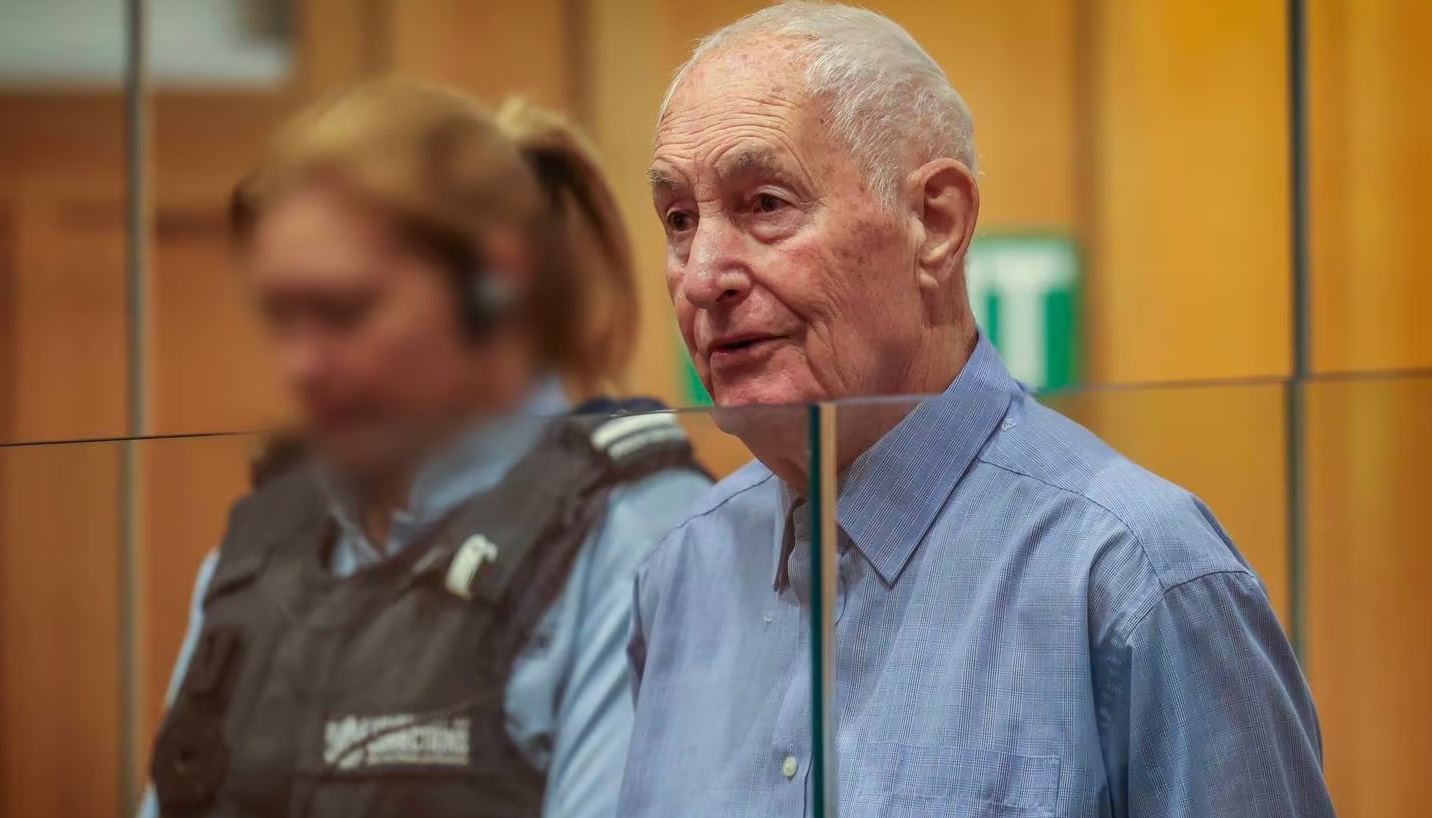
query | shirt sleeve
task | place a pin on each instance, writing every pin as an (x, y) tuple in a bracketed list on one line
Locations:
[(1217, 718), (595, 714), (149, 807)]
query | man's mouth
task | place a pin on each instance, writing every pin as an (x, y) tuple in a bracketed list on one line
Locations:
[(740, 343), (739, 350)]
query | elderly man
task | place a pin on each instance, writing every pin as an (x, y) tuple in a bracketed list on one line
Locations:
[(1029, 624)]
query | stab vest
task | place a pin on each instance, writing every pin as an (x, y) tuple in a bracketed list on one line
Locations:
[(383, 693)]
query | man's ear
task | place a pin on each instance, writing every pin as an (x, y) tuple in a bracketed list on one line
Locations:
[(945, 199)]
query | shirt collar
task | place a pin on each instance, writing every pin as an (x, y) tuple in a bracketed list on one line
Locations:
[(475, 462), (793, 531), (891, 494)]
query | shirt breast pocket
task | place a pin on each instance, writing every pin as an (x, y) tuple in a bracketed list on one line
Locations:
[(905, 781)]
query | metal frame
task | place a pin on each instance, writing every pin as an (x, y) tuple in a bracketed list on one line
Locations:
[(1295, 422), (825, 781), (132, 681)]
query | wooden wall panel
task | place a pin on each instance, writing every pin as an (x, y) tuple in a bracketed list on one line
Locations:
[(339, 42), (1192, 265), (630, 57), (1369, 653), (491, 49), (60, 164), (1371, 169), (210, 371), (59, 524), (190, 483), (1017, 68), (59, 695), (59, 521), (1369, 649)]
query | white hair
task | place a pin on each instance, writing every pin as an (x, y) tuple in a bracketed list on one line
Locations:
[(886, 94)]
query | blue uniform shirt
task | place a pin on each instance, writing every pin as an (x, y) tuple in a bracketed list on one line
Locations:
[(568, 702), (1028, 624)]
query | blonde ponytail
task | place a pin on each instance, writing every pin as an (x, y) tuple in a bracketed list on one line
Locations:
[(588, 295)]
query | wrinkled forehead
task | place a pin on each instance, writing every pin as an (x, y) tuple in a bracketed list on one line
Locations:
[(742, 103), (765, 64)]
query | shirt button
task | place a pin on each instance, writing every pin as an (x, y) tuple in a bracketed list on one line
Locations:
[(788, 767)]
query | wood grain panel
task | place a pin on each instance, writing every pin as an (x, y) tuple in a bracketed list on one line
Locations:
[(1371, 169), (190, 484), (490, 49), (59, 698), (1369, 650), (1016, 66), (59, 543), (339, 43), (1192, 267), (60, 160), (59, 522), (1368, 442), (629, 59)]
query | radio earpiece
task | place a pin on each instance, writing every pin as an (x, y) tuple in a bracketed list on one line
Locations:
[(487, 298)]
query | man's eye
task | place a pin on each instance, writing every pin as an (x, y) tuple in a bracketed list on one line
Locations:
[(678, 220), (768, 203)]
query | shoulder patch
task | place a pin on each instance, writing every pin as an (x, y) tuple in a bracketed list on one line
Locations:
[(623, 436)]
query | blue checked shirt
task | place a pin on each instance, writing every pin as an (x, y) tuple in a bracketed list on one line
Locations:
[(1028, 625)]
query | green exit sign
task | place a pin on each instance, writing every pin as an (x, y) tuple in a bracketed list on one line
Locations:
[(692, 388), (1025, 294)]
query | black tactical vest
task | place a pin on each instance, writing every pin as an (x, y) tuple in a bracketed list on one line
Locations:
[(382, 693)]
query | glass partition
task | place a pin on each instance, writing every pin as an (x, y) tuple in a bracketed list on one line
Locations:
[(65, 598), (962, 583), (794, 627)]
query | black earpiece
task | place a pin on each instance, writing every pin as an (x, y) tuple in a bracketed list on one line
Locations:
[(486, 299), (484, 296)]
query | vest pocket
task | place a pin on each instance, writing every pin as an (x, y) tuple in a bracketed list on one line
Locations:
[(905, 781)]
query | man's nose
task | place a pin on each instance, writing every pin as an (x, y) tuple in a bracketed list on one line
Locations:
[(716, 271)]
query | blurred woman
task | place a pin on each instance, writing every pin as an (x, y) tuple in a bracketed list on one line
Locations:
[(426, 615)]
